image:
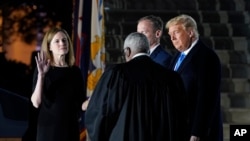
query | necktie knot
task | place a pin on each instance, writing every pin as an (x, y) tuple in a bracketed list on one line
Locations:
[(180, 59), (182, 56)]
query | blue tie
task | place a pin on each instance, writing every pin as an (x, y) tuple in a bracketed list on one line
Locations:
[(180, 59)]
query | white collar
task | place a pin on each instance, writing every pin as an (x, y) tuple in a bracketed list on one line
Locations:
[(192, 45), (153, 48), (139, 54)]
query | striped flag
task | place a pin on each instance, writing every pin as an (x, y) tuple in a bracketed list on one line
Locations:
[(89, 44), (81, 34), (97, 50), (81, 40)]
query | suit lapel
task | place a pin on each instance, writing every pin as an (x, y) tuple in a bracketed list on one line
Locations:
[(174, 60), (155, 52), (188, 57)]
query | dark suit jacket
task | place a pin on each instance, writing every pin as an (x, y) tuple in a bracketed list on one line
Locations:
[(201, 74), (137, 101), (161, 56)]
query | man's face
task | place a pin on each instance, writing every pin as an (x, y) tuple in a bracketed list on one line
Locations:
[(180, 37), (146, 27)]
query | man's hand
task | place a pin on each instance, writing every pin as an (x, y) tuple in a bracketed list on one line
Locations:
[(194, 138), (85, 104)]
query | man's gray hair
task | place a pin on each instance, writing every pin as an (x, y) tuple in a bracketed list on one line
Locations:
[(137, 42)]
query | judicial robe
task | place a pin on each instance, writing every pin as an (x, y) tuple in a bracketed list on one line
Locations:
[(137, 101)]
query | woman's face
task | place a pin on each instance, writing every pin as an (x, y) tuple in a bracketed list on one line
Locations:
[(59, 44)]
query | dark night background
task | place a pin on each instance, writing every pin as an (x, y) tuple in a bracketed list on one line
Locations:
[(223, 25), (39, 15)]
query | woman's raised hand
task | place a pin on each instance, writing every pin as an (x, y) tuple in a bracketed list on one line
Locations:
[(42, 63)]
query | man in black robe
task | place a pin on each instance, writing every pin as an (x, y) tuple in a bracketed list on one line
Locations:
[(138, 100)]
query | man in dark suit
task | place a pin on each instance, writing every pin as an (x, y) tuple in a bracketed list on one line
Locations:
[(201, 73), (152, 27), (138, 100)]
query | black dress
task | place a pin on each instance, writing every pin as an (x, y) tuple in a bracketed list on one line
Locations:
[(63, 94)]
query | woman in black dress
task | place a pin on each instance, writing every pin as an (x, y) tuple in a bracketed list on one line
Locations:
[(58, 89)]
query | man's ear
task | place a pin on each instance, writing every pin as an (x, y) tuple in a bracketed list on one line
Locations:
[(158, 33), (128, 52), (191, 33)]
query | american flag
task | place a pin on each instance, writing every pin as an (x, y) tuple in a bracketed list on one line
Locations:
[(88, 35)]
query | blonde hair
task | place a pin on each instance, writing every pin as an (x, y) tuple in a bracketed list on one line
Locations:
[(69, 58), (185, 20)]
